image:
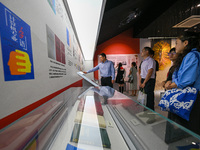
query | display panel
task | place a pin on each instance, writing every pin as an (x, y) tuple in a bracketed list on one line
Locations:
[(96, 118)]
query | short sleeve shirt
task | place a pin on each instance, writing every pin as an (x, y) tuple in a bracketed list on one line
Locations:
[(148, 63)]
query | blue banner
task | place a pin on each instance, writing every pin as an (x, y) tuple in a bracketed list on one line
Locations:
[(16, 46)]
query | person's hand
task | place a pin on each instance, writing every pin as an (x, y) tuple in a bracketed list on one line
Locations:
[(84, 72), (113, 81), (171, 86), (167, 85), (163, 84), (142, 85)]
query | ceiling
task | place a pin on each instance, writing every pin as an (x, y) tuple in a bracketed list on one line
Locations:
[(148, 18)]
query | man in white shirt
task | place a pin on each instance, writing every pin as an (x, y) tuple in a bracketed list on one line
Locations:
[(147, 76)]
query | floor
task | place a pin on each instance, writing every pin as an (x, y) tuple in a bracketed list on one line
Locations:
[(157, 98)]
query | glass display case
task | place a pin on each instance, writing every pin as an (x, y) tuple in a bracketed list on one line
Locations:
[(96, 118)]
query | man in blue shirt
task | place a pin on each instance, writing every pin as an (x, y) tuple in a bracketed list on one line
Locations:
[(107, 71)]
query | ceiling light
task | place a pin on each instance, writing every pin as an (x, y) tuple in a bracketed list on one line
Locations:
[(131, 16), (87, 21)]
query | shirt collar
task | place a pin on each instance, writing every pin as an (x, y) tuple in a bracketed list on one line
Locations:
[(194, 49), (105, 61), (147, 58)]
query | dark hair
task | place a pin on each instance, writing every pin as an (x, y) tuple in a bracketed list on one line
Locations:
[(120, 64), (149, 50), (103, 55), (193, 42), (172, 50), (134, 65)]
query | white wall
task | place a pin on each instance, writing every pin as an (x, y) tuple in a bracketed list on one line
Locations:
[(173, 43), (15, 95), (89, 65), (144, 43)]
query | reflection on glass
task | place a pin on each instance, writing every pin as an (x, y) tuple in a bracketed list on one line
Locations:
[(104, 91), (18, 134), (89, 128), (91, 113)]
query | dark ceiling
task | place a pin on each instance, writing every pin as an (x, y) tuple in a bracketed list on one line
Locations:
[(148, 18)]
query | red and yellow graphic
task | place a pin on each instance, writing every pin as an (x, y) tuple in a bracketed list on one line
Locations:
[(161, 49), (19, 63)]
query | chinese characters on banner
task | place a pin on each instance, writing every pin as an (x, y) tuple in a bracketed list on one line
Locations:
[(16, 46)]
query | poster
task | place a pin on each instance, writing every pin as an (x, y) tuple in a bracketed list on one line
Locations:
[(161, 49), (16, 46), (58, 52), (62, 51)]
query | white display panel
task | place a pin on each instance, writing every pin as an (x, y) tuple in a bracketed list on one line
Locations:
[(56, 54), (87, 79)]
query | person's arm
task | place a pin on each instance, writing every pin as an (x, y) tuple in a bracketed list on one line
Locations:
[(129, 72), (168, 81), (150, 71), (189, 71), (140, 80), (112, 72), (124, 75), (163, 84), (170, 85), (92, 70), (139, 70)]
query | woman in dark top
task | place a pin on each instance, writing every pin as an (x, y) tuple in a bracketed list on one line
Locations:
[(120, 77), (172, 57)]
